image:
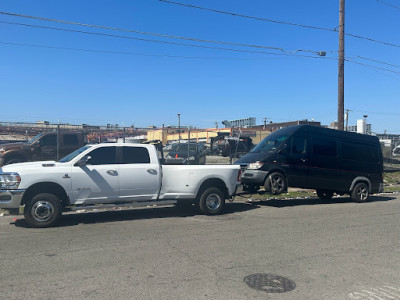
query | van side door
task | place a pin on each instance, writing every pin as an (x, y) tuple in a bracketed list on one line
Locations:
[(324, 172), (298, 160)]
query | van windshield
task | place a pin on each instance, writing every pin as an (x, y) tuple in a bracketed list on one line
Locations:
[(271, 142)]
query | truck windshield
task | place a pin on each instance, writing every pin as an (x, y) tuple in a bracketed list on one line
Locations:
[(34, 139), (271, 142), (74, 154)]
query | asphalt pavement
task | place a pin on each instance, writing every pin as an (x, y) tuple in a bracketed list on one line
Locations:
[(276, 249)]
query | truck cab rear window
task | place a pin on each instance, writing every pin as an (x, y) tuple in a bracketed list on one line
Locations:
[(135, 155)]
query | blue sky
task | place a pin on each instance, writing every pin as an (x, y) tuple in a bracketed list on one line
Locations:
[(125, 81)]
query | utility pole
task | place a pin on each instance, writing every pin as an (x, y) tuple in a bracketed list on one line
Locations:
[(341, 67), (265, 122), (179, 127)]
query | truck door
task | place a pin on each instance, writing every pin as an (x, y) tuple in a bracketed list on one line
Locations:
[(98, 180), (140, 179), (48, 147)]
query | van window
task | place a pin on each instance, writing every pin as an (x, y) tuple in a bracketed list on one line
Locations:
[(359, 152), (324, 146), (298, 145), (135, 155)]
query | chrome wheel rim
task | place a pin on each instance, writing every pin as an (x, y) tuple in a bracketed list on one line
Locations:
[(277, 184), (362, 193), (213, 201), (42, 211)]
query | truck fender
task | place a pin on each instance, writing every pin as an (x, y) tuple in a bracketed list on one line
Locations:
[(361, 179), (13, 154), (46, 187)]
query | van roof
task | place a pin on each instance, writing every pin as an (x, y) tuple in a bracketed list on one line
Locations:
[(309, 129)]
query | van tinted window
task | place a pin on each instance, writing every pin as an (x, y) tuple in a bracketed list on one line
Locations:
[(359, 152), (298, 145), (324, 146)]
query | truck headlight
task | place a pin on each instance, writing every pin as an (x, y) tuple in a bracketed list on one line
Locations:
[(9, 181), (255, 165)]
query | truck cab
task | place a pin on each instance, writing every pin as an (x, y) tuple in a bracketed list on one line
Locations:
[(41, 147)]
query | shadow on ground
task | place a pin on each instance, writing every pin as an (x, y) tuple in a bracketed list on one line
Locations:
[(117, 215), (316, 201)]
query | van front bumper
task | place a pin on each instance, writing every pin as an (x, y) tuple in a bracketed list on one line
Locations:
[(254, 177), (10, 199)]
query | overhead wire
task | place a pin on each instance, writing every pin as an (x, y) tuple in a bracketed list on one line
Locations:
[(159, 41), (388, 4), (152, 33), (131, 53), (282, 22), (371, 66)]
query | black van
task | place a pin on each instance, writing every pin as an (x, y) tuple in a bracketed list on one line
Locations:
[(327, 160)]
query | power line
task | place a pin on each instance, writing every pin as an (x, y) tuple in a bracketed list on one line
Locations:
[(128, 53), (152, 33), (281, 22), (248, 17), (388, 4), (377, 61), (159, 41), (376, 113), (371, 66)]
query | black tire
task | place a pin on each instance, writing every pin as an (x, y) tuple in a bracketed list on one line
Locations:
[(212, 201), (275, 183), (360, 192), (44, 210), (324, 194)]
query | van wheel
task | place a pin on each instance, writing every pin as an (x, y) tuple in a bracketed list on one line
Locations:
[(276, 183), (43, 210), (212, 201), (360, 192), (324, 195)]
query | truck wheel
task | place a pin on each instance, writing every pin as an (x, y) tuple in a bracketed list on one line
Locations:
[(360, 192), (43, 210), (324, 195), (275, 183), (212, 201)]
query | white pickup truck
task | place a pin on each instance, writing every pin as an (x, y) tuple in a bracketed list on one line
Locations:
[(103, 175)]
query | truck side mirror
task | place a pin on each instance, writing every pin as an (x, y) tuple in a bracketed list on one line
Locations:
[(83, 161)]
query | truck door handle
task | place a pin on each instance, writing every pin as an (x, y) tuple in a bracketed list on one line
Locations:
[(112, 172), (152, 171)]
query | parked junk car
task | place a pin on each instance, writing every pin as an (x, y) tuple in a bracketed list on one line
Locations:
[(396, 151), (327, 160), (186, 153), (41, 147)]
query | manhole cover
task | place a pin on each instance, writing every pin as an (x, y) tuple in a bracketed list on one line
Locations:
[(270, 283)]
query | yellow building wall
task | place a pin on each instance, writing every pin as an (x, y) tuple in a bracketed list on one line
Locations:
[(168, 135)]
